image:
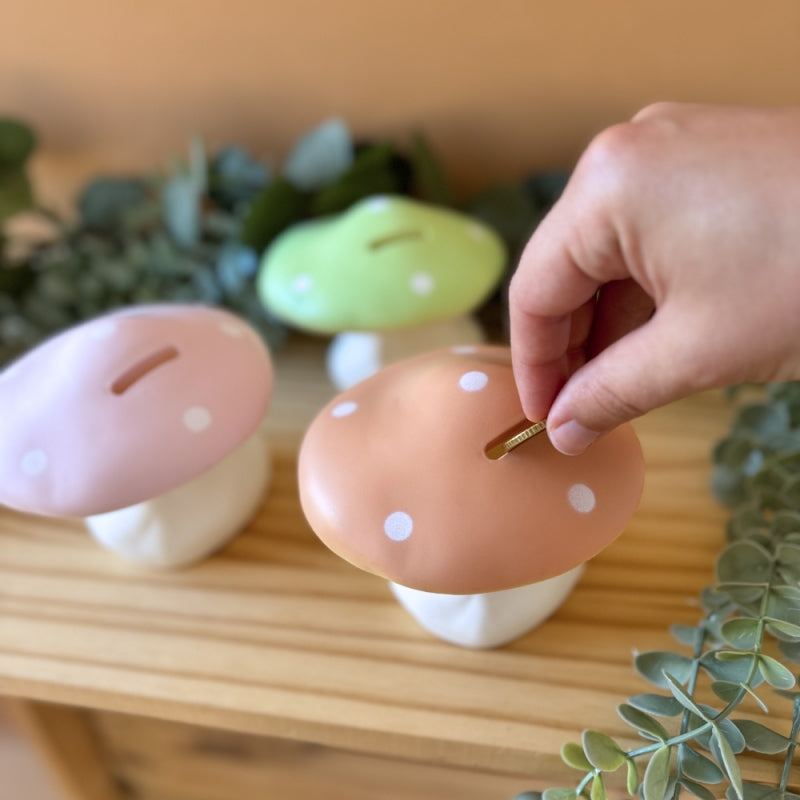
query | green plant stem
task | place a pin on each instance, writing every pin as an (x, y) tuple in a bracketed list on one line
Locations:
[(787, 762), (687, 735), (699, 646)]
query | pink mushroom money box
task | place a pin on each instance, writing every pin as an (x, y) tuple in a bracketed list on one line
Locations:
[(147, 422), (401, 476)]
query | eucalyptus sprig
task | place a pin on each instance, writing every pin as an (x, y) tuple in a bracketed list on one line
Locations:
[(741, 648)]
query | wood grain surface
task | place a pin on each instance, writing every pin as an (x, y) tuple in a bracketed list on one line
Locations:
[(276, 636)]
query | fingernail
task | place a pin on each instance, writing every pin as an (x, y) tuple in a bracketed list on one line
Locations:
[(571, 438)]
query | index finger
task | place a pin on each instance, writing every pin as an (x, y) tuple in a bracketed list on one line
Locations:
[(550, 305)]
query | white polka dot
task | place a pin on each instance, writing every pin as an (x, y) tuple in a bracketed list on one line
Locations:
[(473, 381), (464, 349), (302, 283), (581, 498), (422, 283), (377, 204), (103, 329), (398, 526), (8, 373), (476, 231), (235, 329), (34, 462), (344, 409), (197, 418)]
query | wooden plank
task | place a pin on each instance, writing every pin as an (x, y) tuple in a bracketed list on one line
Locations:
[(157, 760), (276, 636), (69, 748)]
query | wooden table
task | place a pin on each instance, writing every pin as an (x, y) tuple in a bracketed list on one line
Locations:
[(276, 670)]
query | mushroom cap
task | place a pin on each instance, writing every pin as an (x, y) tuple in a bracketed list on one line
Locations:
[(387, 262), (394, 478), (127, 406)]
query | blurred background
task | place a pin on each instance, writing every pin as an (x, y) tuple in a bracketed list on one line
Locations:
[(501, 88)]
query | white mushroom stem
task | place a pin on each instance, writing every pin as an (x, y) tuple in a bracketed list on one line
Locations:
[(191, 521), (491, 619), (355, 355)]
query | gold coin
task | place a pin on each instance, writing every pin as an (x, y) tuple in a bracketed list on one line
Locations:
[(514, 438)]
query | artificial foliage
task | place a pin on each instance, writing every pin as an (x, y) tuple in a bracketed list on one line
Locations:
[(195, 231), (713, 696)]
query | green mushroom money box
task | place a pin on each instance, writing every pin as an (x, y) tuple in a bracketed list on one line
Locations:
[(390, 277)]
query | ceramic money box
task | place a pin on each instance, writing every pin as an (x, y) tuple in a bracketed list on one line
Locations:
[(146, 422), (395, 476), (391, 277)]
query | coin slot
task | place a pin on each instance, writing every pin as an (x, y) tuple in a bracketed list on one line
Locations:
[(142, 368), (513, 437), (395, 238)]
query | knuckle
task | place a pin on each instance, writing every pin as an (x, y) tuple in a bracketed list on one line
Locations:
[(659, 110), (613, 405), (613, 159)]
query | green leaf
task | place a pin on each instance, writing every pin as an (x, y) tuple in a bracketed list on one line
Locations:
[(741, 632), (726, 728), (17, 143), (729, 486), (743, 594), (559, 793), (697, 790), (510, 211), (602, 751), (725, 756), (698, 767), (16, 194), (735, 655), (272, 210), (598, 789), (320, 157), (431, 180), (546, 186), (726, 665), (784, 522), (657, 704), (714, 600), (760, 738), (373, 173), (656, 775), (785, 631), (573, 756), (729, 692), (643, 723), (180, 203), (744, 561), (781, 607), (683, 697), (763, 419), (746, 523), (775, 673), (788, 556), (654, 664), (758, 791), (104, 202), (686, 634), (788, 592), (790, 650), (632, 776)]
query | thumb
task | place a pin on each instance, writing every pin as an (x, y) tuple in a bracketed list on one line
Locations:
[(647, 368)]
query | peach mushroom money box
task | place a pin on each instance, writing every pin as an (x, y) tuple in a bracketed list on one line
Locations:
[(147, 422), (394, 477), (389, 278)]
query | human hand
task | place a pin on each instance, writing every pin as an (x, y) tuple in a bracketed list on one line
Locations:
[(671, 264)]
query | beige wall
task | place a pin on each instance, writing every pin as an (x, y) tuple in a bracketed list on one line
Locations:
[(501, 86)]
